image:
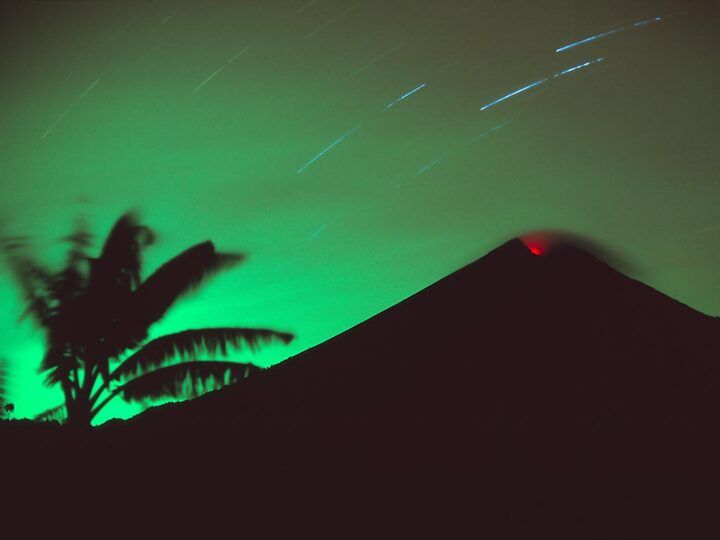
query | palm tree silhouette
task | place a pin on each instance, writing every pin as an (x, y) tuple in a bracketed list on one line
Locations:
[(96, 313)]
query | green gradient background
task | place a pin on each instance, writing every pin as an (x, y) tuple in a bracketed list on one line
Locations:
[(625, 152)]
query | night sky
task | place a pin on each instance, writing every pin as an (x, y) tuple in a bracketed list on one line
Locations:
[(357, 151)]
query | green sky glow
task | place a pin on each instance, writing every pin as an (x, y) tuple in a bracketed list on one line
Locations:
[(108, 106)]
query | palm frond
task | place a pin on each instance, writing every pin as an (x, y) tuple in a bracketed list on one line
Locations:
[(71, 281), (58, 363), (185, 380), (191, 344), (66, 286), (59, 413), (177, 277), (120, 261), (80, 240), (149, 303), (33, 279)]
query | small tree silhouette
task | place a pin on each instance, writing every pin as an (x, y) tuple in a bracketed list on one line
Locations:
[(6, 409), (96, 313)]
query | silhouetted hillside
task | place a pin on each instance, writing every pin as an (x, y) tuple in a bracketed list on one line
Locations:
[(556, 347)]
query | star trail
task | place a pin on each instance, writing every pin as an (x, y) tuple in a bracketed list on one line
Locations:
[(406, 95), (328, 148), (513, 93), (601, 35)]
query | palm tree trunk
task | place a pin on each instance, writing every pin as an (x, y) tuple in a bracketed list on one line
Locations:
[(78, 409), (79, 415)]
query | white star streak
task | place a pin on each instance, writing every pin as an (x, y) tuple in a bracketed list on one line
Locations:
[(310, 3), (66, 112), (326, 150), (429, 165), (218, 70), (318, 231), (55, 124), (89, 88), (238, 54), (489, 131), (166, 19), (331, 21), (210, 78), (377, 59)]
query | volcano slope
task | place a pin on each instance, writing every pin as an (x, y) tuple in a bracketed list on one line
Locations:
[(535, 359)]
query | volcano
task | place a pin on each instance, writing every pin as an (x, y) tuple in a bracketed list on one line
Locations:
[(538, 386), (542, 345)]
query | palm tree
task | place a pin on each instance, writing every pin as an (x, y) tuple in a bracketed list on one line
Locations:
[(96, 313)]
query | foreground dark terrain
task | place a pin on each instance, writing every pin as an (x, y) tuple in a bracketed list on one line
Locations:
[(547, 384)]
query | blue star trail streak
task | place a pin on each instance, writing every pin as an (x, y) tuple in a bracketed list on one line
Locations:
[(608, 33), (513, 93), (166, 19), (429, 165), (579, 66), (64, 114), (328, 23), (470, 141), (89, 88), (326, 150), (314, 235), (218, 70), (303, 8), (406, 95), (488, 131), (377, 58)]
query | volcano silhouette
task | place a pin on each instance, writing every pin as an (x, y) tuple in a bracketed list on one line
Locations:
[(550, 344), (537, 387)]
